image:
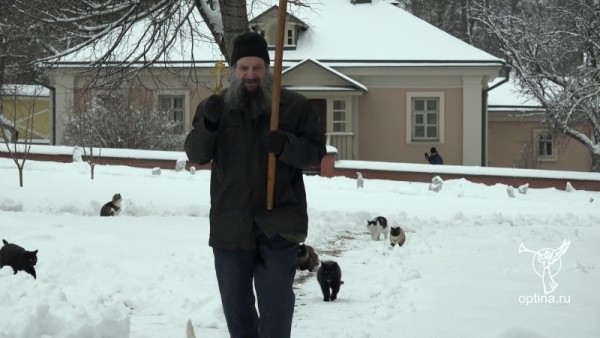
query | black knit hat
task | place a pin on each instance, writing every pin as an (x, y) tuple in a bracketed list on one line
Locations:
[(250, 44)]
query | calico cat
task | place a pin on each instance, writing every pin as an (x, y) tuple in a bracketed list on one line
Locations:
[(113, 207), (18, 258), (378, 226), (307, 258), (329, 277), (397, 236)]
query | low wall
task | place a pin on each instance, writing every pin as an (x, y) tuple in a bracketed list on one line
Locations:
[(397, 172), (331, 168), (132, 162)]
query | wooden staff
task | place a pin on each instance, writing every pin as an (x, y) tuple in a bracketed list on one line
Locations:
[(276, 96)]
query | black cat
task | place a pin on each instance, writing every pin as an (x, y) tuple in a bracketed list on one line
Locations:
[(113, 207), (307, 258), (329, 277), (18, 258)]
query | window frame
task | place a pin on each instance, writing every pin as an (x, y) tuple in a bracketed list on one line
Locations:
[(440, 97), (290, 35), (537, 133), (186, 123), (336, 122), (347, 122)]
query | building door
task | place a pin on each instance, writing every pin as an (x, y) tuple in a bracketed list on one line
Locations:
[(320, 106)]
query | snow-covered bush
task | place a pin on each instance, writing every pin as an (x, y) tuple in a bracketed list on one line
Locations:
[(108, 124)]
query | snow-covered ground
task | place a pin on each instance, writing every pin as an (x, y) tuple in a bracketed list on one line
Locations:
[(144, 273)]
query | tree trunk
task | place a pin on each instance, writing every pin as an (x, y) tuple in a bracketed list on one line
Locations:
[(465, 21), (234, 17), (2, 65), (235, 21), (20, 175), (595, 163)]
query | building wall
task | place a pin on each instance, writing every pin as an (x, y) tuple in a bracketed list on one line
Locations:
[(383, 129), (32, 116), (511, 145), (379, 115), (71, 91)]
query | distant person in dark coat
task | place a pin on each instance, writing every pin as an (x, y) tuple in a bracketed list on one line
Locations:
[(255, 248), (433, 157)]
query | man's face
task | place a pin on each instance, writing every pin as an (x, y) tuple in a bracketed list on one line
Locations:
[(251, 70)]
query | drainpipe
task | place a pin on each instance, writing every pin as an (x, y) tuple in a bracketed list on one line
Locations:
[(53, 102), (505, 71)]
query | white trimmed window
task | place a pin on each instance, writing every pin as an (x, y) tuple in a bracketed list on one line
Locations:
[(339, 116), (340, 128), (291, 39), (175, 105), (544, 145), (425, 117)]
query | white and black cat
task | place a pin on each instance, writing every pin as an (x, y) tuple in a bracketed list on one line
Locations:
[(397, 236), (329, 277), (18, 258), (378, 226), (307, 258), (112, 208)]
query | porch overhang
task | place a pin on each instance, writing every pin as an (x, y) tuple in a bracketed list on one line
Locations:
[(326, 89), (311, 75)]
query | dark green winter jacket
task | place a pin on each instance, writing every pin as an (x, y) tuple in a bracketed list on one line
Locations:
[(239, 171)]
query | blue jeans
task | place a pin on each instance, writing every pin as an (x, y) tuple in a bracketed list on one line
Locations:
[(272, 267)]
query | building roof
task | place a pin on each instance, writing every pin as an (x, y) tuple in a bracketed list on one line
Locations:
[(340, 32), (379, 31), (24, 90), (508, 96)]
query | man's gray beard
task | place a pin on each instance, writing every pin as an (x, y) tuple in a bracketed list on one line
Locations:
[(258, 102)]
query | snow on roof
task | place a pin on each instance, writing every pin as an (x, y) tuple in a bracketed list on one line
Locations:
[(24, 90), (509, 95), (339, 30), (342, 32)]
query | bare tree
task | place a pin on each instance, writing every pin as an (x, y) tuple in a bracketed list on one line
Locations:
[(22, 41), (17, 126), (453, 17), (107, 123), (20, 45), (80, 130), (553, 47), (134, 34), (128, 35)]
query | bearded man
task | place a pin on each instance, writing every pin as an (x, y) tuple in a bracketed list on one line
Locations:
[(253, 245)]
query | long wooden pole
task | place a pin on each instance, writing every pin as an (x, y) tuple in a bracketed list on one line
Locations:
[(275, 97)]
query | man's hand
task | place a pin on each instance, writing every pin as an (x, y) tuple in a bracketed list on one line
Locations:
[(427, 156), (275, 141), (213, 109)]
